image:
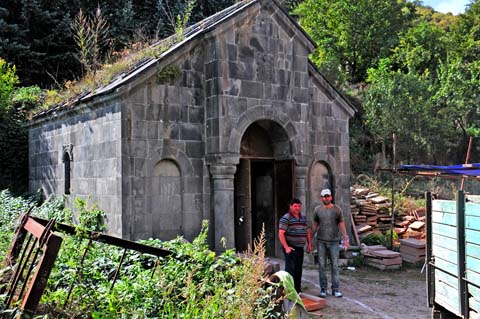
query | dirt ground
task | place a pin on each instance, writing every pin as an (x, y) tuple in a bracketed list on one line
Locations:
[(369, 293)]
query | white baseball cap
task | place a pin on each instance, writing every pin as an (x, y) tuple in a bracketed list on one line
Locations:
[(325, 192)]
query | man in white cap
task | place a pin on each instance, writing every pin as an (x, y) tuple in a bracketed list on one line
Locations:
[(327, 222)]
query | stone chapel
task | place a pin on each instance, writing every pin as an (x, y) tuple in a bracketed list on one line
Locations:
[(227, 124)]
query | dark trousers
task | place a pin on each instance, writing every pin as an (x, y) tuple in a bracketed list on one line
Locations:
[(294, 266)]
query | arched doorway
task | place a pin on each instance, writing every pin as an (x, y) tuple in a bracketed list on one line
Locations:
[(264, 184), (166, 200)]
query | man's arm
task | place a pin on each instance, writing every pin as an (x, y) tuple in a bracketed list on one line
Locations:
[(309, 241), (344, 233), (283, 241)]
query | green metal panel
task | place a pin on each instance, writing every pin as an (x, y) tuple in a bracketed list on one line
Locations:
[(472, 222), (473, 276), (444, 218), (446, 265), (446, 206), (444, 230), (475, 296), (446, 295), (472, 236), (473, 250), (445, 242), (445, 253), (472, 209)]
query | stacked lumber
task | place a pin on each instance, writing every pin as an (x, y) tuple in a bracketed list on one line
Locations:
[(373, 210), (380, 257), (412, 250)]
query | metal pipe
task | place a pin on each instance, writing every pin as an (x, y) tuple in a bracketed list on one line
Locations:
[(118, 269), (462, 287), (394, 169), (76, 273), (428, 252), (467, 159)]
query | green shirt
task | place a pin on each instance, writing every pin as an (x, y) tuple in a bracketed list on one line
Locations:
[(328, 220)]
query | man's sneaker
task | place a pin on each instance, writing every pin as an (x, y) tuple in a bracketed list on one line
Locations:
[(337, 293), (323, 293)]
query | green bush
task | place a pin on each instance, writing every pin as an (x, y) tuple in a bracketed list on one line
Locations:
[(194, 283), (8, 81)]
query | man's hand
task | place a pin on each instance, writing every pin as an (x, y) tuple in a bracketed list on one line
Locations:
[(288, 250), (345, 242), (309, 247)]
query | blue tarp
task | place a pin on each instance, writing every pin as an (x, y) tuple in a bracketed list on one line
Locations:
[(462, 169)]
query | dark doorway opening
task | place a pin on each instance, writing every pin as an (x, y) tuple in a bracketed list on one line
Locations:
[(264, 184), (263, 189)]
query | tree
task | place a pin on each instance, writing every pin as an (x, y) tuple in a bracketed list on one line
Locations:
[(8, 81), (398, 102), (353, 36)]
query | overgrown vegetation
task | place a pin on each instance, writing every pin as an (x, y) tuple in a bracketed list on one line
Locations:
[(195, 283)]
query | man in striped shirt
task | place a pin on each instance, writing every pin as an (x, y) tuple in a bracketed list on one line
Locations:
[(294, 233)]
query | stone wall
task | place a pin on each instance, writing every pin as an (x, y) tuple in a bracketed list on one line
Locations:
[(163, 126), (91, 138)]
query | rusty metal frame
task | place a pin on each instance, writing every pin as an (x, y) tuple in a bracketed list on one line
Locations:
[(25, 286), (35, 237)]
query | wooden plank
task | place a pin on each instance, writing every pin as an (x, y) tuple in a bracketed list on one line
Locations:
[(474, 304), (447, 254), (447, 303), (472, 250), (444, 230), (448, 206), (414, 252), (472, 209), (448, 279), (474, 291), (446, 265), (385, 261), (473, 275), (385, 253), (355, 233), (446, 296), (412, 259), (412, 242), (445, 242), (417, 225), (472, 222), (382, 266), (474, 315), (472, 236), (312, 302), (444, 218)]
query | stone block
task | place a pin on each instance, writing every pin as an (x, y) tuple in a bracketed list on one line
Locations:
[(251, 89), (195, 149), (232, 52), (191, 132)]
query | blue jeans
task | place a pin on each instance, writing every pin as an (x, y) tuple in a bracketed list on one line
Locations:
[(325, 251), (294, 266)]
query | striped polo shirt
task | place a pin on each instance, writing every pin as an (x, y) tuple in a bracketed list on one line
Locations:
[(295, 229)]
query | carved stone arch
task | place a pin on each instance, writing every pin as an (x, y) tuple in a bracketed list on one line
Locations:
[(165, 199), (168, 174), (257, 114), (321, 176), (67, 151), (176, 155)]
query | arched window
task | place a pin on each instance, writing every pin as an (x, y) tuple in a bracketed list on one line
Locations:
[(66, 167), (67, 159), (320, 178)]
